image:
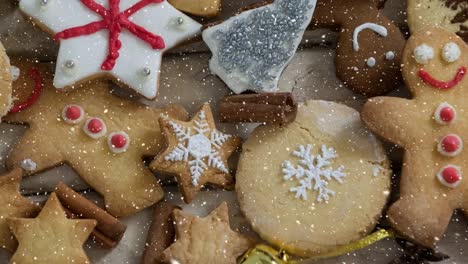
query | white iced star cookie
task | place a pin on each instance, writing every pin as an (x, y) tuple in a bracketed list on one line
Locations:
[(324, 171), (123, 40), (251, 50), (196, 153)]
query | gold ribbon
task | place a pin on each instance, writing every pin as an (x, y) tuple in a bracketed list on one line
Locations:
[(265, 254)]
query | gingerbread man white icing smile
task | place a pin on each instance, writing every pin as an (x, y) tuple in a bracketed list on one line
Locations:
[(431, 128)]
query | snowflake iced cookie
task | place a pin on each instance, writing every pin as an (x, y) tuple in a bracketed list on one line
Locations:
[(6, 78), (51, 237), (102, 137), (251, 50), (204, 8), (370, 45), (324, 171), (196, 153), (432, 128), (447, 14), (123, 40)]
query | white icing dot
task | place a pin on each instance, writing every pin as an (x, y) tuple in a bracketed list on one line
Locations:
[(356, 69), (28, 165), (390, 55), (451, 52), (371, 62), (15, 72), (423, 53)]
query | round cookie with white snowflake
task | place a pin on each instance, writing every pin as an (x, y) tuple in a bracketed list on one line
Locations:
[(5, 82), (314, 184)]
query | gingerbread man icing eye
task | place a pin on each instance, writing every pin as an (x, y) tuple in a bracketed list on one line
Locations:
[(451, 52), (423, 53), (95, 128), (118, 142), (72, 114)]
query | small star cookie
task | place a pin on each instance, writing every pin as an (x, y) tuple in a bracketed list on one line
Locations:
[(13, 205), (120, 39), (102, 137), (196, 153), (51, 237), (432, 128), (206, 240)]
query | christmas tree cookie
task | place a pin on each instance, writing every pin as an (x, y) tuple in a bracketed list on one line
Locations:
[(431, 128), (123, 40), (315, 184)]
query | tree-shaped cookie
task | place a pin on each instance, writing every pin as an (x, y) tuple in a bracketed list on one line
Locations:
[(369, 47), (102, 137), (205, 240), (196, 153), (51, 237), (431, 128), (13, 205), (120, 39)]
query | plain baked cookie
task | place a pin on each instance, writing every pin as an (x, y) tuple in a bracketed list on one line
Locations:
[(447, 14), (5, 82), (289, 204)]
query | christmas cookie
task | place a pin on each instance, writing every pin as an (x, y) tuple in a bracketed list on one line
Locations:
[(251, 50), (204, 8), (370, 45), (205, 240), (450, 15), (123, 40), (13, 205), (102, 137), (315, 184), (196, 153), (431, 128), (51, 237), (6, 78)]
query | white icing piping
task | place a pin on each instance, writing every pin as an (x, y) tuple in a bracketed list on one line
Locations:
[(372, 26)]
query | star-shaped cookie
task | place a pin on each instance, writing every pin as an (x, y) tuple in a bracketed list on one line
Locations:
[(196, 153), (206, 240), (432, 127), (102, 137), (51, 237), (13, 205), (120, 39)]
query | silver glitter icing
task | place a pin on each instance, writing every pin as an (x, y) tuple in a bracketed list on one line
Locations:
[(263, 41)]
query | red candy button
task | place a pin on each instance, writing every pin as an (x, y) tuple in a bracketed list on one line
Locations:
[(118, 142), (72, 114), (450, 176), (445, 114), (95, 126), (450, 145)]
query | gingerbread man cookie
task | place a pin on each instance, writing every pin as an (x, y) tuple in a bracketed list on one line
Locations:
[(196, 153), (102, 137), (450, 15), (127, 49), (432, 128), (370, 45), (6, 78)]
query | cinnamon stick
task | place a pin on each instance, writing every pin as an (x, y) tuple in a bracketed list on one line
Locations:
[(107, 225), (161, 233), (268, 108)]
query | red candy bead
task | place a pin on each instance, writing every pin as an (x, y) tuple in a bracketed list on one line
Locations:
[(450, 175), (451, 145), (447, 114), (73, 112), (118, 141), (95, 126)]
